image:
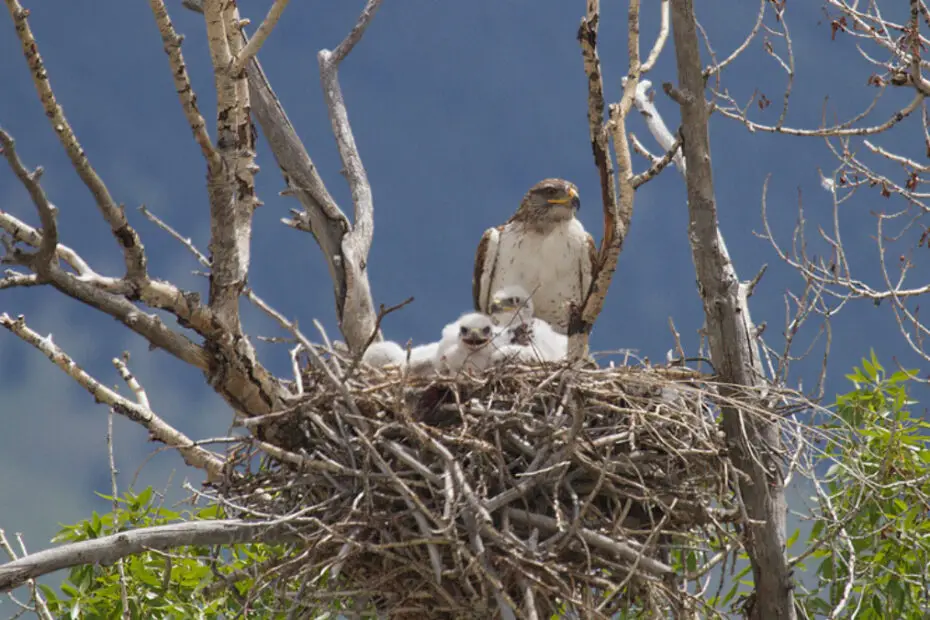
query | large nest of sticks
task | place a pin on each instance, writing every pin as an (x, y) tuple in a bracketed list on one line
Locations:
[(531, 489)]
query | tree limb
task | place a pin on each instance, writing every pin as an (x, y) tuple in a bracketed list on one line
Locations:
[(193, 455), (753, 441), (114, 215), (258, 39), (171, 42), (109, 549), (616, 190)]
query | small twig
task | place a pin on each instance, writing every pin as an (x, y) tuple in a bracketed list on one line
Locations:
[(659, 165), (47, 211), (751, 285), (114, 490), (258, 39), (187, 242)]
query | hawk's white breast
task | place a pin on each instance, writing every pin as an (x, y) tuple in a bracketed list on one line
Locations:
[(547, 265)]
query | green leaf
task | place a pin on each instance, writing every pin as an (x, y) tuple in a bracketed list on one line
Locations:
[(793, 538), (145, 496)]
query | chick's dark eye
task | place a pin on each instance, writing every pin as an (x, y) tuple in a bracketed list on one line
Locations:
[(463, 330), (486, 330)]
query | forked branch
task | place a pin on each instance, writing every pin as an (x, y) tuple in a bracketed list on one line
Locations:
[(344, 245)]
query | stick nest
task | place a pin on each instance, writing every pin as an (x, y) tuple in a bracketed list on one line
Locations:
[(540, 488)]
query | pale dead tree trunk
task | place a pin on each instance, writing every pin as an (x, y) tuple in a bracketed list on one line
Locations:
[(754, 443)]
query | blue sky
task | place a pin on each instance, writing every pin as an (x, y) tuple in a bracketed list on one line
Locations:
[(457, 107)]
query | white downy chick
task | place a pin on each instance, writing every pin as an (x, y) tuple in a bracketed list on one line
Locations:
[(525, 338), (423, 359), (467, 344), (384, 353)]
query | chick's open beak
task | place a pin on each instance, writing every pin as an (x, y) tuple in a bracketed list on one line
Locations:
[(475, 337), (571, 198)]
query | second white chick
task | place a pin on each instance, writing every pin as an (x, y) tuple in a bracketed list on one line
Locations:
[(423, 359), (467, 344), (525, 338), (384, 353)]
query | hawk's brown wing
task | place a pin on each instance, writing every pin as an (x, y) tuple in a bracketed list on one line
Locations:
[(485, 265)]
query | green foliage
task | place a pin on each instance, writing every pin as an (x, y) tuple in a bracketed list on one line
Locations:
[(878, 487), (188, 582)]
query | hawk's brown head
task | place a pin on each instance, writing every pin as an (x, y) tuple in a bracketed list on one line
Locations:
[(550, 200)]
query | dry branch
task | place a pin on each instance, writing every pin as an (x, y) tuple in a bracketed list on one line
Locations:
[(616, 189), (230, 364), (193, 455), (114, 215)]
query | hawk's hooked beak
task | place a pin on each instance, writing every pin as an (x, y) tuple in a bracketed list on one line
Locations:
[(572, 199)]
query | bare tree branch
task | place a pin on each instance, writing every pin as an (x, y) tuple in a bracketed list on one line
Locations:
[(616, 190), (108, 549), (171, 41), (357, 243), (661, 38), (258, 39), (754, 442), (30, 181), (113, 214), (193, 455)]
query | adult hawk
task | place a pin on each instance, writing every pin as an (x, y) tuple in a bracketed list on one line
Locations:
[(542, 248)]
